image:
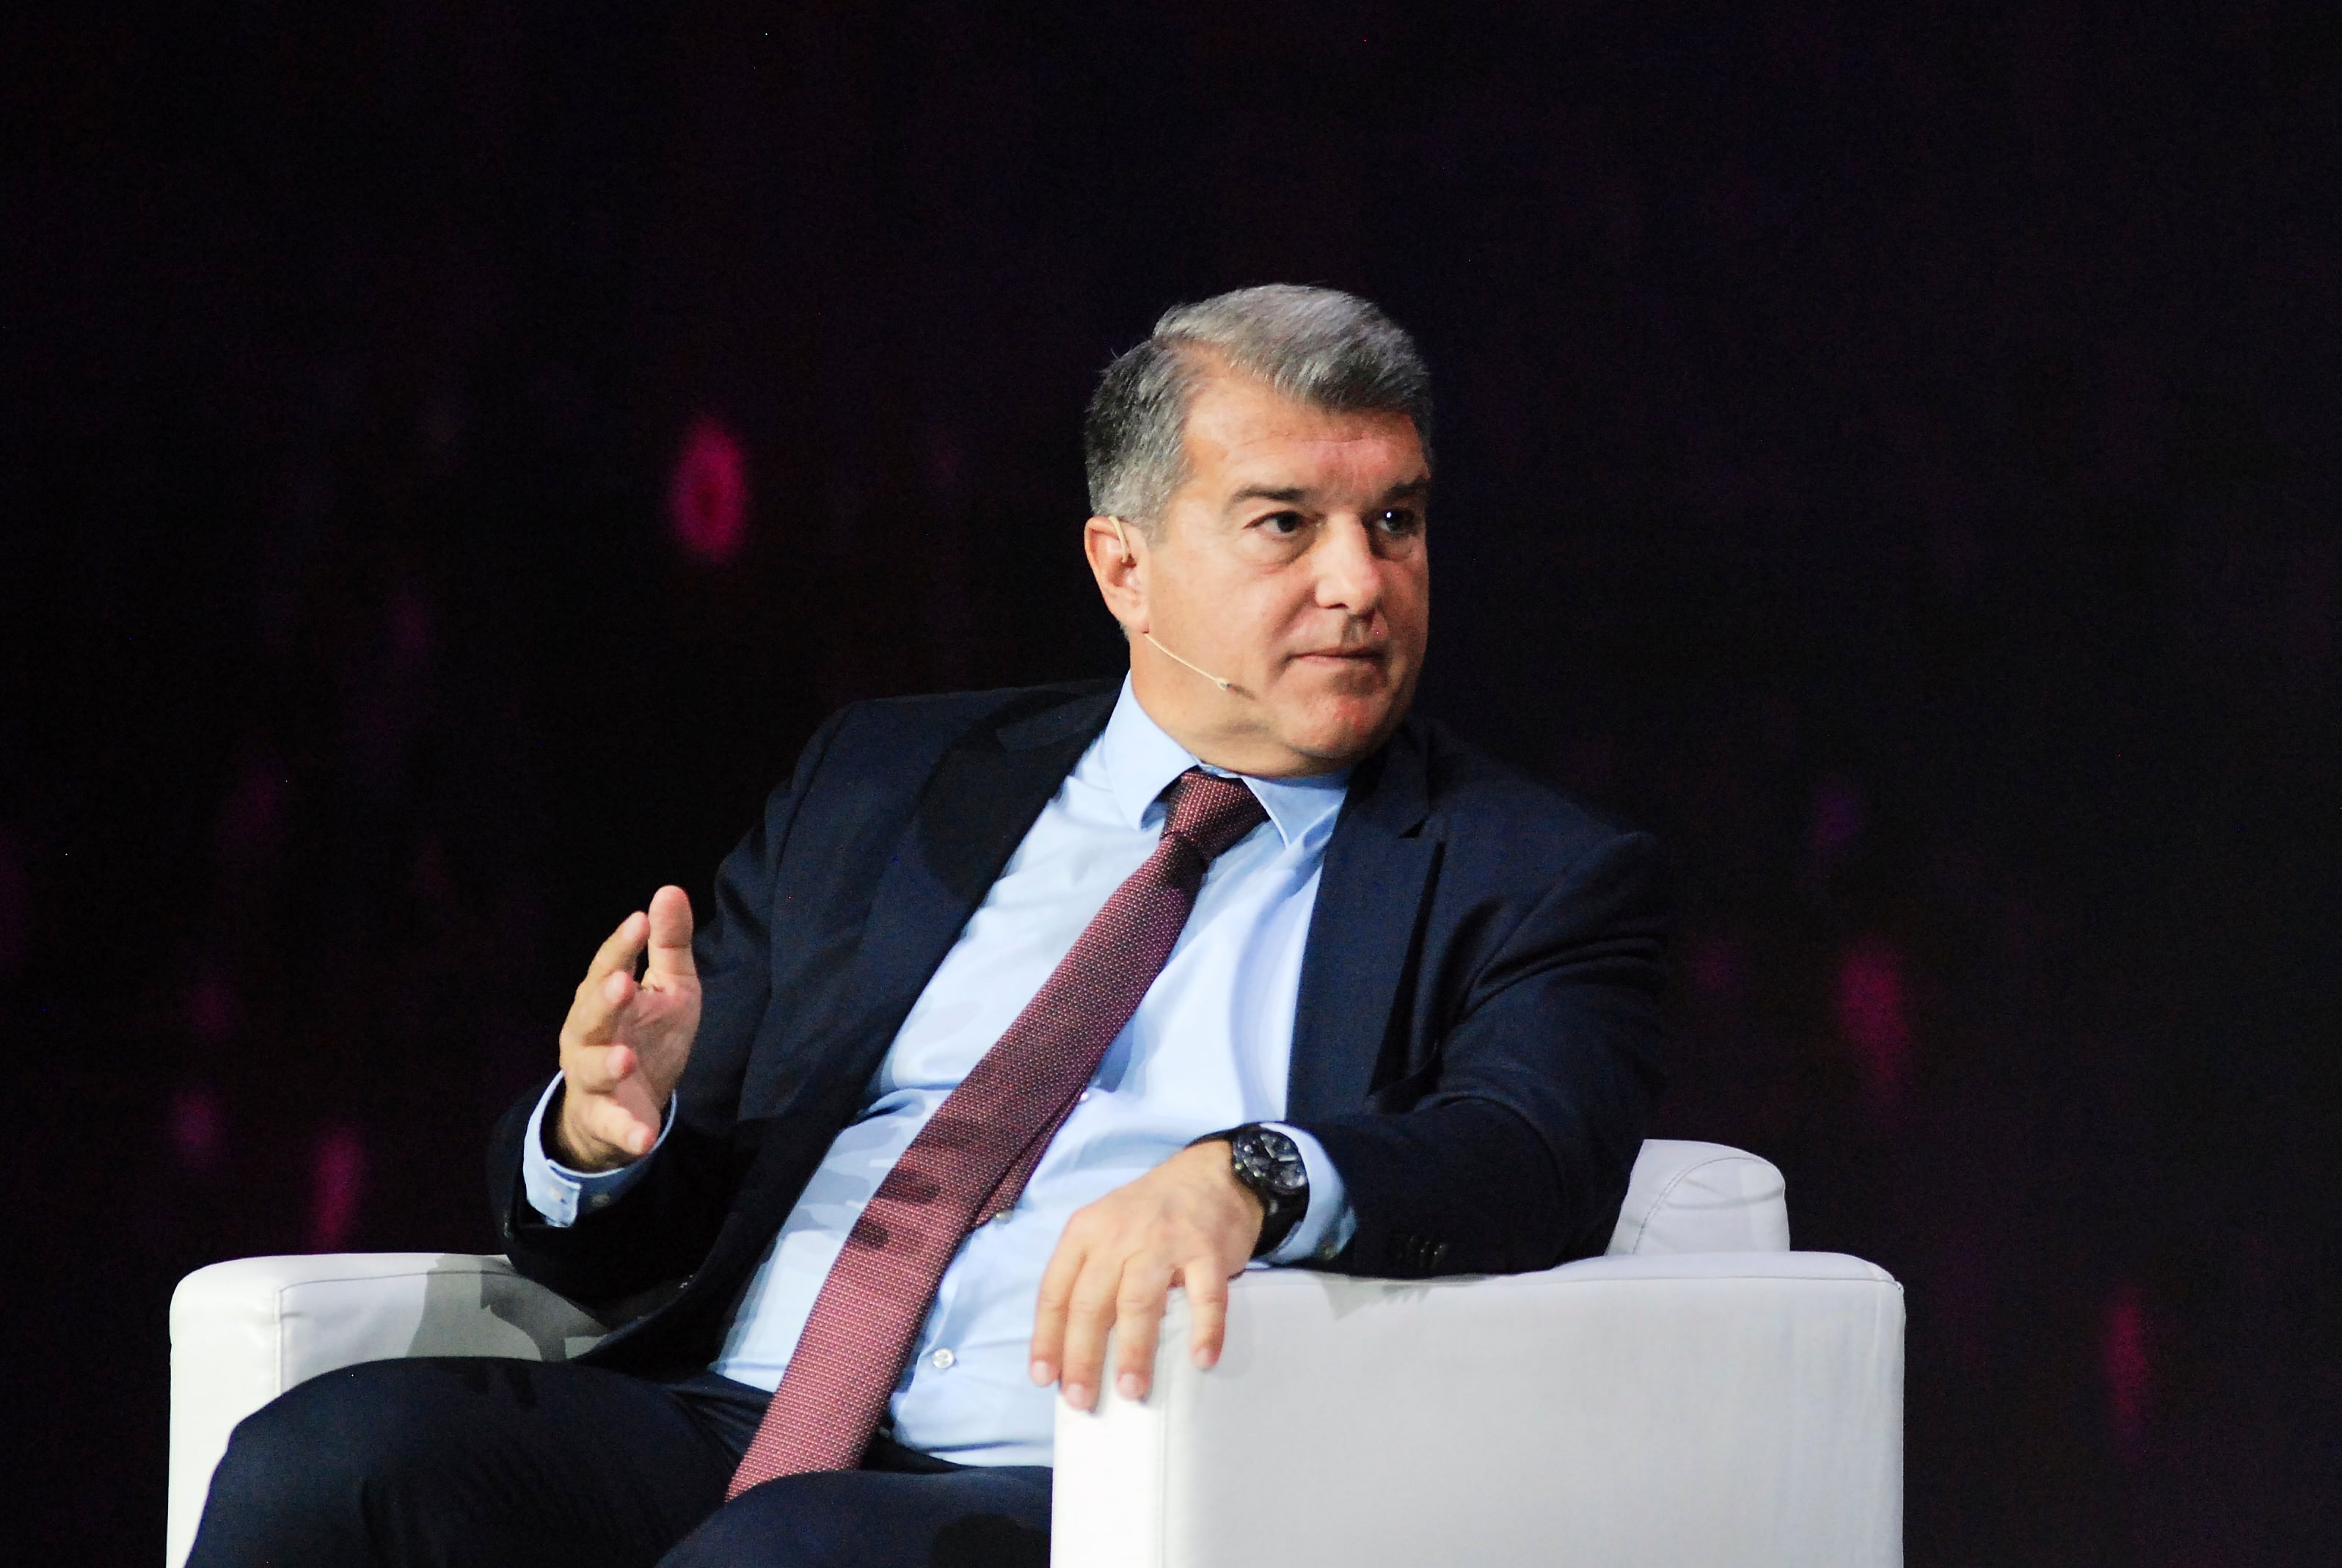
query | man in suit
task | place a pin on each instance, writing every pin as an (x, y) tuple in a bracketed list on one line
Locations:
[(1017, 1010)]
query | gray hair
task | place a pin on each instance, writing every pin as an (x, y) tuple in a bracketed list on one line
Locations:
[(1318, 345)]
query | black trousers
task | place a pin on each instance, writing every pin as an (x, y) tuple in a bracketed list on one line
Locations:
[(453, 1460)]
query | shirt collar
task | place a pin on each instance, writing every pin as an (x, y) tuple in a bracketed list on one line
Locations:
[(1141, 759)]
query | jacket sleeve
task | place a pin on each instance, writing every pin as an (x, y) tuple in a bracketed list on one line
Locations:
[(661, 1227), (1510, 1150)]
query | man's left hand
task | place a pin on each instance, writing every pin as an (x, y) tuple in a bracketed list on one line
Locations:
[(1188, 1222)]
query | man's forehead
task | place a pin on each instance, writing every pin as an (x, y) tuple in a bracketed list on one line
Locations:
[(1349, 445), (1388, 454), (1246, 427)]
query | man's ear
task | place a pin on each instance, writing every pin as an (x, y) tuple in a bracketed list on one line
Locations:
[(1117, 558)]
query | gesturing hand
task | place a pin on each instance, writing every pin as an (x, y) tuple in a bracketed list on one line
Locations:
[(1188, 1222), (626, 1040)]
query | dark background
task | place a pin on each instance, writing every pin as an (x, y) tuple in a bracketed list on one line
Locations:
[(1892, 455)]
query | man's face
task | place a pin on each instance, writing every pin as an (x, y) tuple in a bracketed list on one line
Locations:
[(1293, 563)]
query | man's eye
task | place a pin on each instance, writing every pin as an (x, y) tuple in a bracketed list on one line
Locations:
[(1283, 524), (1398, 520)]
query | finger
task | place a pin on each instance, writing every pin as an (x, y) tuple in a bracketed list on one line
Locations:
[(1050, 1306), (1138, 1323), (594, 1015), (600, 1005), (617, 1131), (621, 947), (1207, 1309), (670, 936), (596, 1069), (1088, 1319), (597, 1132)]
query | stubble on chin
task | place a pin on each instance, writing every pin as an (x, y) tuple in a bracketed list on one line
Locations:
[(1343, 733)]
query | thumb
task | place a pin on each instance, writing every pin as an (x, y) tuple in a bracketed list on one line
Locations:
[(670, 945)]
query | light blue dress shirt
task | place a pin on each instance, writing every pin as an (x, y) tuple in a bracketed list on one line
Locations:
[(1207, 1049)]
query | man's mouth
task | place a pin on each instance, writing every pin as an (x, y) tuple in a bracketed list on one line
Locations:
[(1343, 659)]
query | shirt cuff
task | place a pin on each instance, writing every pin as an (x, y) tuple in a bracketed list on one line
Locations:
[(557, 1193), (1328, 1224)]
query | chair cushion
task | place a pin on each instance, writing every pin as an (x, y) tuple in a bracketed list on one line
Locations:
[(1687, 1197)]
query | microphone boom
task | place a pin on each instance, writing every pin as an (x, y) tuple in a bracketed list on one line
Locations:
[(1224, 685)]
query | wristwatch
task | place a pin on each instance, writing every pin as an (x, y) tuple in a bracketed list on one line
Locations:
[(1269, 1166)]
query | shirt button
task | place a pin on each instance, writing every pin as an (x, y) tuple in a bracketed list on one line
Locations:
[(1084, 1097), (943, 1360)]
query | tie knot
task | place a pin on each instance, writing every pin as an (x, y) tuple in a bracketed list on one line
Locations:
[(1212, 813)]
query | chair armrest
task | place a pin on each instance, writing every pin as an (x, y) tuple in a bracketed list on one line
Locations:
[(1721, 1408), (1687, 1197), (243, 1333)]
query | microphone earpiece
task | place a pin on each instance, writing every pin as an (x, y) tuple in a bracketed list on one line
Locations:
[(1129, 559)]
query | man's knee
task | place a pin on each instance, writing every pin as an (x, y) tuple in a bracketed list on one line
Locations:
[(308, 1439), (298, 1473)]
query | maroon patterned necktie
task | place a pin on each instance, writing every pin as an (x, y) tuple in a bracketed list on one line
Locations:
[(973, 1157)]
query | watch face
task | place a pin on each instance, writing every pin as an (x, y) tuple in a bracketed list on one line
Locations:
[(1272, 1162), (1288, 1179)]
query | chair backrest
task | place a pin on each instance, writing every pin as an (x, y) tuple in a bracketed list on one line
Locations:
[(1701, 1198)]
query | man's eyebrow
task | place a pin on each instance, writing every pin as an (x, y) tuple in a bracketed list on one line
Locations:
[(1294, 495), (1289, 494)]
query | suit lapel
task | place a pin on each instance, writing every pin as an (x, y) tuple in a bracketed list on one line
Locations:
[(975, 807), (979, 803), (1378, 864)]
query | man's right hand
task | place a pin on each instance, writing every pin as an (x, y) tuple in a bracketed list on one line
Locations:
[(626, 1040)]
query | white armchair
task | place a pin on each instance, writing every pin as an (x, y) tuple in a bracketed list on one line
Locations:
[(1700, 1396)]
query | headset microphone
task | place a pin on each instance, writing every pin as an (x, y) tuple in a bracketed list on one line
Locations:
[(1224, 685), (1129, 560)]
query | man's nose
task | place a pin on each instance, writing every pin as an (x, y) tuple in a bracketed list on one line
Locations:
[(1349, 577)]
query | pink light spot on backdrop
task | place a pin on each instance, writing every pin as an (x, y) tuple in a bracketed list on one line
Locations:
[(337, 1185), (707, 500), (197, 1127), (2125, 1359), (1874, 1019)]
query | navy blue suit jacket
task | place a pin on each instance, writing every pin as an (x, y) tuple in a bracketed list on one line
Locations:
[(1476, 1042)]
